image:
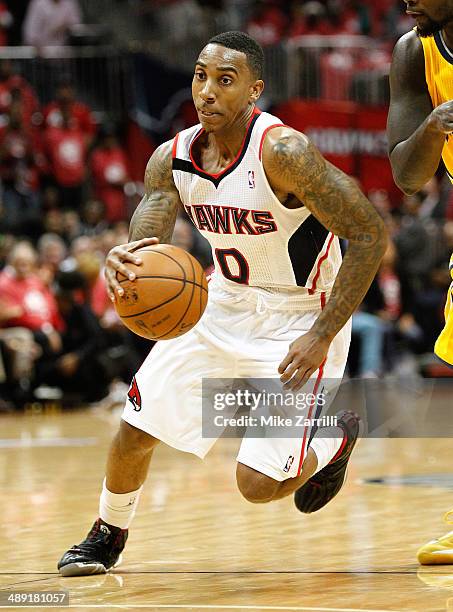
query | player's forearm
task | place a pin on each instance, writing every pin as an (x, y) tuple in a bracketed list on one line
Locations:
[(354, 278), (415, 160), (155, 216)]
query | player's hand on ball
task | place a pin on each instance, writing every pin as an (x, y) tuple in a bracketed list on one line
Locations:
[(441, 117), (114, 264), (305, 356)]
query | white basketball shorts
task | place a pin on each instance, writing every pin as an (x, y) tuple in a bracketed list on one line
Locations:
[(244, 333)]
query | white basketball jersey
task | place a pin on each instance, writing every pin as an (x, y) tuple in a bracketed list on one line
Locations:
[(255, 240)]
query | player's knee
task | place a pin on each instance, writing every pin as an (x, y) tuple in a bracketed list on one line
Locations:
[(255, 487), (133, 440)]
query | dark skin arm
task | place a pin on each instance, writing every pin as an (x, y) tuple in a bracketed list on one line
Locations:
[(415, 131), (153, 220), (295, 168)]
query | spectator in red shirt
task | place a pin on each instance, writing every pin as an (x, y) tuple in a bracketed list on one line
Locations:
[(19, 174), (14, 86), (110, 173), (267, 24), (66, 149), (65, 103), (29, 302)]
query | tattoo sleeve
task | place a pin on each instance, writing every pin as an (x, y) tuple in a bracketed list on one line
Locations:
[(157, 211), (336, 201)]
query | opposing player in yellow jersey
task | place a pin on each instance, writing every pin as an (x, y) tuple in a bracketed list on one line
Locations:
[(420, 131)]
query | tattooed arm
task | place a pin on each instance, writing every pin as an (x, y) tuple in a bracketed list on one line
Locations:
[(153, 220), (296, 168), (156, 213)]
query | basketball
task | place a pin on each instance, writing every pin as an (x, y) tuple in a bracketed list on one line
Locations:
[(167, 297)]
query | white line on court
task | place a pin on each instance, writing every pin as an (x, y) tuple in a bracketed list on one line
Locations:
[(45, 442)]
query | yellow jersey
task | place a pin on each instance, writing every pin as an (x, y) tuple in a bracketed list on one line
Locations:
[(444, 345), (439, 79)]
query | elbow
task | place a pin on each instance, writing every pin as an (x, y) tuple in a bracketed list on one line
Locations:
[(404, 178), (406, 186)]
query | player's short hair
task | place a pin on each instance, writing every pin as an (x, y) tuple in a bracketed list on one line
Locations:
[(240, 41)]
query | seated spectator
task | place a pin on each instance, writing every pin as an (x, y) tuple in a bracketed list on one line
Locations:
[(13, 87), (48, 22), (51, 253), (93, 218), (30, 302), (19, 149), (29, 315), (78, 114), (384, 321), (71, 225), (109, 170), (18, 353), (78, 368), (66, 150)]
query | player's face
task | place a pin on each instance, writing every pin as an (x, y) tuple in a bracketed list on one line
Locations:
[(223, 87), (430, 15)]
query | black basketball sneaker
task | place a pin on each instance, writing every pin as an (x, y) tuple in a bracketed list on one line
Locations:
[(99, 552), (323, 486)]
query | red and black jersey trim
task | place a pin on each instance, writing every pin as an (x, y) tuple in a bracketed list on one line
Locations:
[(190, 166), (304, 246)]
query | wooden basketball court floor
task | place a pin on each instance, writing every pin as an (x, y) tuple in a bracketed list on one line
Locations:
[(197, 545)]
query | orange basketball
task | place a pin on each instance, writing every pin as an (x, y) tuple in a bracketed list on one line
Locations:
[(168, 295)]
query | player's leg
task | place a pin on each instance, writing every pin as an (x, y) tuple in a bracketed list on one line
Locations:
[(440, 551), (271, 468), (259, 488), (163, 404), (127, 467), (322, 471)]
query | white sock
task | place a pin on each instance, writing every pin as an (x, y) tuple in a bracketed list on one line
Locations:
[(118, 509), (325, 449)]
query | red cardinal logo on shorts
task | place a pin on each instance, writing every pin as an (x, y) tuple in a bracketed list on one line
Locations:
[(134, 396)]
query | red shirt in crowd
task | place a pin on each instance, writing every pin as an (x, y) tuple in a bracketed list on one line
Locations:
[(66, 150), (30, 104), (267, 26), (20, 157), (32, 295), (80, 117), (110, 173)]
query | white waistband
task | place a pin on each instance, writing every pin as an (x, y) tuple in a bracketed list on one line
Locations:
[(297, 300)]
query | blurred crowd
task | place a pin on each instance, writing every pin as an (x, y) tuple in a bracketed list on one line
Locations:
[(66, 197), (272, 21), (64, 204), (396, 326), (51, 22)]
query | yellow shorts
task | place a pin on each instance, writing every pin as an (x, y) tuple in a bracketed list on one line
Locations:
[(444, 345)]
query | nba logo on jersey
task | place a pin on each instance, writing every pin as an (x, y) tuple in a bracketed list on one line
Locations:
[(252, 179), (288, 464)]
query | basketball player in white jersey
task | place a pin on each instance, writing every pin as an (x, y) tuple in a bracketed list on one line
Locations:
[(280, 300)]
